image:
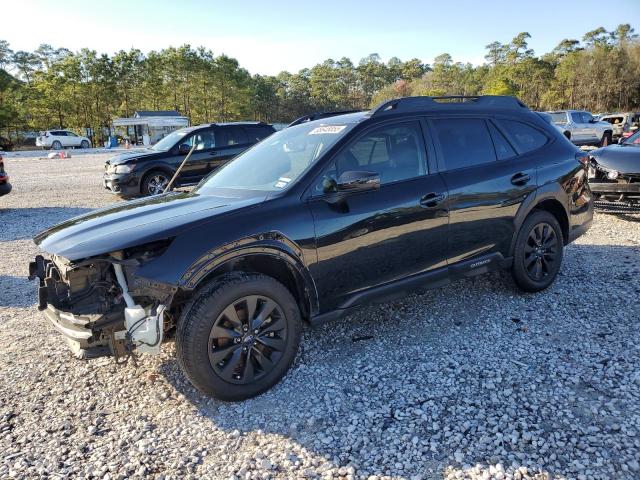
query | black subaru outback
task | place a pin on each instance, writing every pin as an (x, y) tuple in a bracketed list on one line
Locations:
[(312, 222), (149, 171)]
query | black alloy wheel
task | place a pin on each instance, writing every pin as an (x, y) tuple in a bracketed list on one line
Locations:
[(238, 335), (247, 339), (538, 251), (541, 251)]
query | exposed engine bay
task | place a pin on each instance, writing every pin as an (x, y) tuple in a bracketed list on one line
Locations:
[(101, 307)]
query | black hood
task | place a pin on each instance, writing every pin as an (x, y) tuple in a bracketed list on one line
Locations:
[(125, 157), (623, 158), (127, 224)]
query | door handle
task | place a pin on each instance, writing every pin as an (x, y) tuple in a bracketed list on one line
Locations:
[(520, 178), (432, 199)]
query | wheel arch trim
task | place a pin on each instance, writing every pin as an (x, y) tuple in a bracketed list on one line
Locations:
[(270, 244), (545, 193)]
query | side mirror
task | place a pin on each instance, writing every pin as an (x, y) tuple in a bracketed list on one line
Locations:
[(358, 181), (184, 148)]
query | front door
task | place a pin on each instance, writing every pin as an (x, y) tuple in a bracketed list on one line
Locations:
[(590, 131), (488, 177), (198, 164), (375, 237)]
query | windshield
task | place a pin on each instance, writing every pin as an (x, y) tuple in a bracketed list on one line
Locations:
[(169, 141), (278, 161), (633, 140), (558, 117)]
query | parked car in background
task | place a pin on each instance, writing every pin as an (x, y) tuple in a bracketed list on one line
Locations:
[(581, 128), (317, 220), (58, 139), (149, 171), (6, 144), (5, 186), (549, 119), (614, 171), (622, 123)]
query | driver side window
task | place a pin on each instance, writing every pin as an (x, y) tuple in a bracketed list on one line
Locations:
[(586, 117), (204, 140), (395, 152)]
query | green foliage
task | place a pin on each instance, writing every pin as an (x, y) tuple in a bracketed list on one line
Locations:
[(53, 87)]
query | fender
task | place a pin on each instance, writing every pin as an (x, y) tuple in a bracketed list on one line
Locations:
[(548, 191), (273, 244)]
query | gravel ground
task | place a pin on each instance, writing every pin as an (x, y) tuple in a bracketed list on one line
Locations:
[(474, 380)]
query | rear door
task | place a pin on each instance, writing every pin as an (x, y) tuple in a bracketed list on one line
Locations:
[(256, 133), (231, 140), (72, 139), (487, 180)]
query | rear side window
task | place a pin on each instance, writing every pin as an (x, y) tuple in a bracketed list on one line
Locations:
[(503, 148), (526, 138), (258, 132), (576, 117), (230, 136), (464, 142)]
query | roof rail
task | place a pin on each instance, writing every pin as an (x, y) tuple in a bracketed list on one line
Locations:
[(411, 104), (318, 116)]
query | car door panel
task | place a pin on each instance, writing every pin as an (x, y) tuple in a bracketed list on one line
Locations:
[(483, 203), (378, 237), (198, 164), (373, 238), (230, 142), (484, 196), (590, 131)]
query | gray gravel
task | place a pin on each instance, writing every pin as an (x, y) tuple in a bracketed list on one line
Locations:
[(475, 380)]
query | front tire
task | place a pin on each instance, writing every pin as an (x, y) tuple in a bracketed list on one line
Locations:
[(238, 336), (154, 183), (538, 252)]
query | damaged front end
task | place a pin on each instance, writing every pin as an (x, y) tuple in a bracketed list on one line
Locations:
[(101, 306), (611, 185)]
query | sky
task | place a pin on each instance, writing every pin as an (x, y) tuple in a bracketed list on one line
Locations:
[(269, 37)]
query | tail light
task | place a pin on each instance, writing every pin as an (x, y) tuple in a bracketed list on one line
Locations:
[(583, 158)]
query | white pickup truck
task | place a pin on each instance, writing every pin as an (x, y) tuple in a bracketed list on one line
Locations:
[(581, 128)]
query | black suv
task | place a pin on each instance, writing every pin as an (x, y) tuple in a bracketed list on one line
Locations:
[(148, 172), (316, 220)]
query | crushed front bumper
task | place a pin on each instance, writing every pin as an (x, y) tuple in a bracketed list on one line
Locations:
[(77, 330), (616, 191)]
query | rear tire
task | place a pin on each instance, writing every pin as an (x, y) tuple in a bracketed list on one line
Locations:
[(538, 252), (84, 144), (607, 139), (56, 145), (238, 336)]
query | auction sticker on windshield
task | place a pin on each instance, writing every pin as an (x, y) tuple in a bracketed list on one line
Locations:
[(327, 129), (282, 182)]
